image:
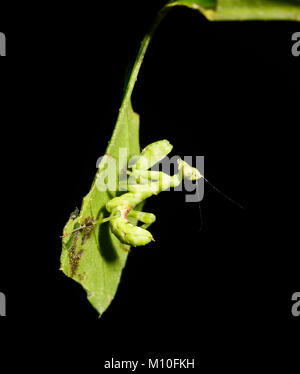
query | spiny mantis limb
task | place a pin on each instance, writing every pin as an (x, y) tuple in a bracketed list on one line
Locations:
[(146, 218)]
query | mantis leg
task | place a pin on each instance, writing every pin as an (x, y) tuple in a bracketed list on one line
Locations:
[(112, 216), (146, 218), (147, 174)]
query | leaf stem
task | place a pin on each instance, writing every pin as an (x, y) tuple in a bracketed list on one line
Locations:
[(141, 54)]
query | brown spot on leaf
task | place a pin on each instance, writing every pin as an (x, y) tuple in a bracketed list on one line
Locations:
[(74, 257), (88, 226)]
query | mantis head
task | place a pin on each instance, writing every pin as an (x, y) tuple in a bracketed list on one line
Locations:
[(188, 171)]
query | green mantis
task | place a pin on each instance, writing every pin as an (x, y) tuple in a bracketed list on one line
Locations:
[(143, 183)]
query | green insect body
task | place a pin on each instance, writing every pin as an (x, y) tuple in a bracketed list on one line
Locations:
[(145, 184)]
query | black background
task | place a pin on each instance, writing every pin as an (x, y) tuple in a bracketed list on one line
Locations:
[(228, 91)]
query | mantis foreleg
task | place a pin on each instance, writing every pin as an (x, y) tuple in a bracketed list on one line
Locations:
[(146, 218), (142, 184)]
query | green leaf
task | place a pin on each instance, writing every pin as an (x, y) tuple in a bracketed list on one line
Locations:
[(96, 259), (93, 256), (232, 10)]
